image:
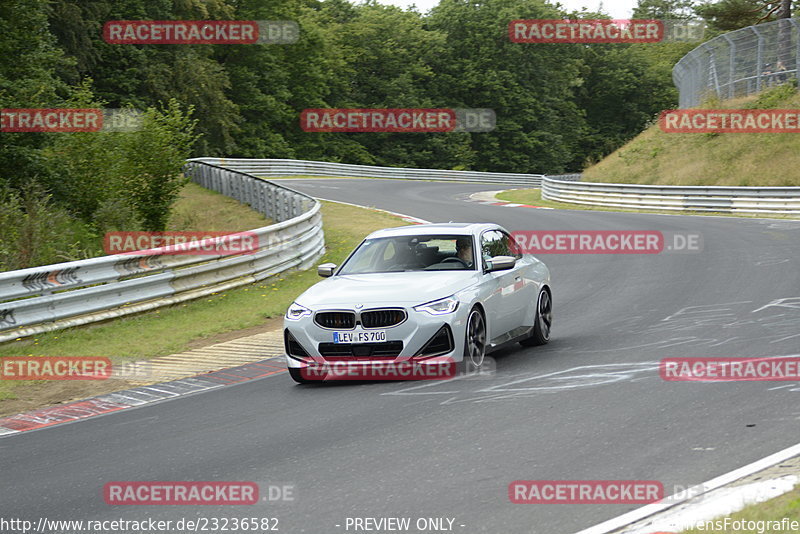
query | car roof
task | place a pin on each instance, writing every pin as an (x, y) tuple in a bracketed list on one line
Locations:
[(437, 228)]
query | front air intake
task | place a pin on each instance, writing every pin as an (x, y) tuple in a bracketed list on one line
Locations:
[(292, 347), (356, 351), (440, 343)]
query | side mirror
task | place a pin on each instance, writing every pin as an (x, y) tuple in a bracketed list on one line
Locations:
[(326, 269), (500, 263)]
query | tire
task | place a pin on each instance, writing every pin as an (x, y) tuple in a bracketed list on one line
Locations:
[(543, 321), (475, 341), (297, 376)]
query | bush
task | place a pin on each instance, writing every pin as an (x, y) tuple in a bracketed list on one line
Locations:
[(38, 232), (96, 182), (151, 163), (123, 180)]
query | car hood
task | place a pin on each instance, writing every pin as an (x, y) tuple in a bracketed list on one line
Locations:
[(406, 288)]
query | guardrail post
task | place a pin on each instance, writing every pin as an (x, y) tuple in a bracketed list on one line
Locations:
[(283, 206), (262, 205), (272, 202)]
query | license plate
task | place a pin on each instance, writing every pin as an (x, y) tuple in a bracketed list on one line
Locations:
[(373, 336)]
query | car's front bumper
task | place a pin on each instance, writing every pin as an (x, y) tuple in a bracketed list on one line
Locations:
[(414, 333)]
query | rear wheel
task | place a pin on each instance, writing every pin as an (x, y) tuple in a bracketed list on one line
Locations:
[(542, 322), (475, 344)]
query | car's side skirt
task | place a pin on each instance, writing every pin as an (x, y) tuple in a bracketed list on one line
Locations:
[(512, 336)]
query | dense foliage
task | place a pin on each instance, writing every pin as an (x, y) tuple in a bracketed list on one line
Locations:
[(558, 106)]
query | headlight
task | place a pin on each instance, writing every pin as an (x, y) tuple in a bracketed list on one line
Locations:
[(439, 307), (297, 311)]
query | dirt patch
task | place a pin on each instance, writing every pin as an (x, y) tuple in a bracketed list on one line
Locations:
[(271, 324)]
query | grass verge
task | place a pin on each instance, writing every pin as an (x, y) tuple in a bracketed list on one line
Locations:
[(784, 506), (174, 329), (202, 210), (737, 159)]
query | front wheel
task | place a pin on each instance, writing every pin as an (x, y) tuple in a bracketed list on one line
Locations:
[(475, 343), (542, 322)]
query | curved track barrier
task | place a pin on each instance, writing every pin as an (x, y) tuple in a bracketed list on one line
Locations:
[(299, 167), (758, 200), (51, 297)]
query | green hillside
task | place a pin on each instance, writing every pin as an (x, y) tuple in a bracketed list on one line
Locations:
[(655, 157)]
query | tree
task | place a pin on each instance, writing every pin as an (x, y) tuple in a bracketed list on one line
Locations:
[(729, 15), (153, 159), (147, 75), (84, 165), (664, 9), (781, 9), (531, 87), (28, 79), (387, 62)]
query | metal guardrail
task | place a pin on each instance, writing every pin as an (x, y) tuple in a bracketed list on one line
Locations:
[(764, 200), (576, 177), (58, 296), (52, 297), (739, 63), (298, 167)]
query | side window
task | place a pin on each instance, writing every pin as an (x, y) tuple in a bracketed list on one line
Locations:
[(494, 243), (513, 246)]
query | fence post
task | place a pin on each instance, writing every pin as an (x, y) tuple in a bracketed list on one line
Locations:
[(696, 81), (731, 64), (796, 30), (759, 58)]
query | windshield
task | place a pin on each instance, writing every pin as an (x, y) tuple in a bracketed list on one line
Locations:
[(411, 253)]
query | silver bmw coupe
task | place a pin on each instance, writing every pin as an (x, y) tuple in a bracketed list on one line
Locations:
[(418, 294)]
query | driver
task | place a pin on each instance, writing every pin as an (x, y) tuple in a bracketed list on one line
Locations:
[(464, 250)]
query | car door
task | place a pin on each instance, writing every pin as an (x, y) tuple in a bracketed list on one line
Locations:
[(526, 286), (506, 302)]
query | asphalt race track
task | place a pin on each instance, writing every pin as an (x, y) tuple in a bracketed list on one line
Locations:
[(588, 406)]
